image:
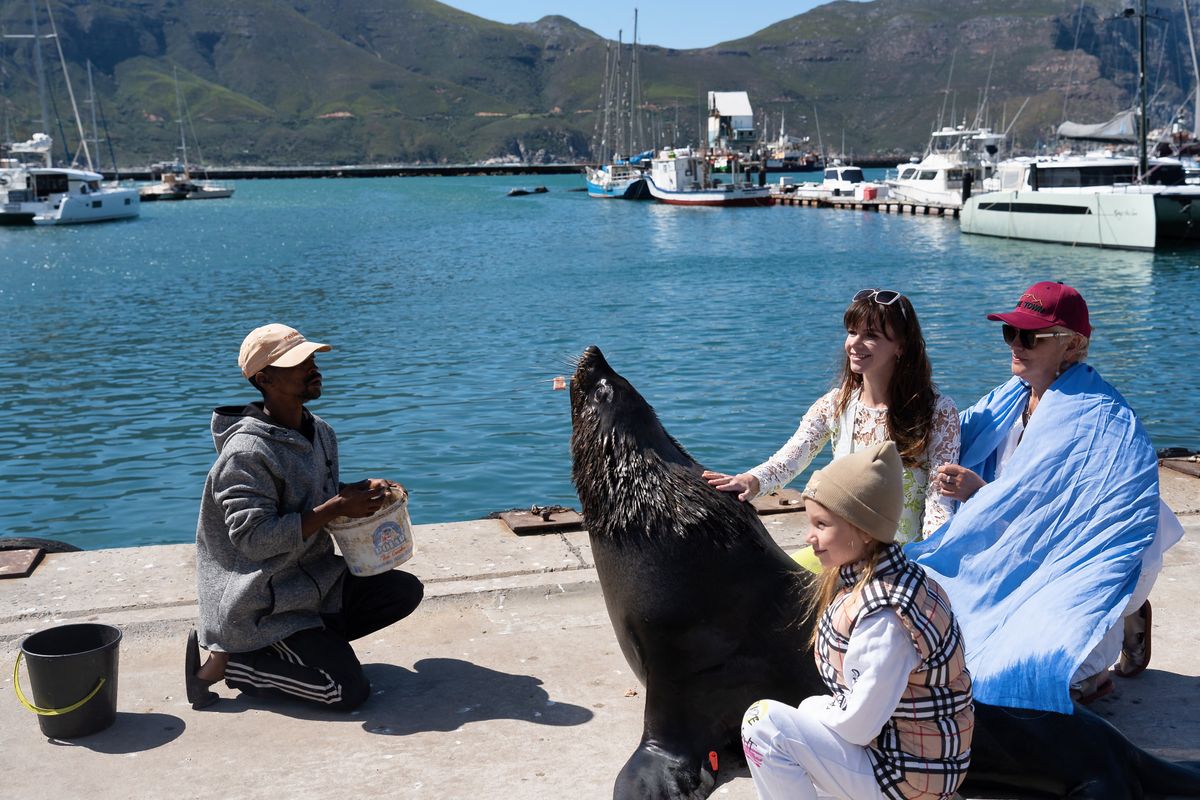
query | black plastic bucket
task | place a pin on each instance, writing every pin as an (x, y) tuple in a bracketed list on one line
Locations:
[(72, 677)]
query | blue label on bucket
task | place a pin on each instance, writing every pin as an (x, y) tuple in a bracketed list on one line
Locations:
[(389, 539)]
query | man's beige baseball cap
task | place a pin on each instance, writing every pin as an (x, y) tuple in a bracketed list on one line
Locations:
[(275, 345)]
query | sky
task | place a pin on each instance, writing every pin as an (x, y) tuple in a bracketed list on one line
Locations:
[(681, 24)]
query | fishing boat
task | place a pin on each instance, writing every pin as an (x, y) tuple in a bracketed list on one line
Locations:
[(173, 179), (623, 179), (35, 192), (956, 157), (682, 176)]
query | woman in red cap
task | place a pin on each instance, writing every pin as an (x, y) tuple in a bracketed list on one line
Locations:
[(885, 392), (1059, 518)]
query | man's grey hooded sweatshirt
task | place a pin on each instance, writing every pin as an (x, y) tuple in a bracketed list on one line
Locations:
[(258, 580)]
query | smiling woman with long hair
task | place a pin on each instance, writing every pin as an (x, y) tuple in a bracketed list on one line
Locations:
[(885, 392)]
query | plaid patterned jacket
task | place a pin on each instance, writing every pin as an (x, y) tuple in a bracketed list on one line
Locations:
[(923, 751)]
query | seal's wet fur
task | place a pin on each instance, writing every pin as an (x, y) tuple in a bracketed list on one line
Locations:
[(710, 614)]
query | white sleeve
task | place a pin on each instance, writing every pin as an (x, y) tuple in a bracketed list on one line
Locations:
[(943, 449), (879, 659), (815, 429)]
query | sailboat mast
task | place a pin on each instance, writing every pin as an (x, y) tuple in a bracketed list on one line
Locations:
[(179, 113), (38, 67), (92, 103), (1142, 127), (1187, 17), (62, 59), (636, 134)]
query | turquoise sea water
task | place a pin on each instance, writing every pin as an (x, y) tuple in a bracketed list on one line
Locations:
[(451, 308)]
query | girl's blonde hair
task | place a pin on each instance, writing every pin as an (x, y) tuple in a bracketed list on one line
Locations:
[(827, 586)]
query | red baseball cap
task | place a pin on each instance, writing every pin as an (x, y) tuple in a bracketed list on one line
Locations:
[(1047, 304)]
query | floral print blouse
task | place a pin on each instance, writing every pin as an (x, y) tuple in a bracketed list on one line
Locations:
[(924, 511)]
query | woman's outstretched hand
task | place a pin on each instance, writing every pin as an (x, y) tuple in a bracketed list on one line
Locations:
[(745, 484), (958, 482)]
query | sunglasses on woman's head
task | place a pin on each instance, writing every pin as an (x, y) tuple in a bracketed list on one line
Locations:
[(1029, 339), (884, 297)]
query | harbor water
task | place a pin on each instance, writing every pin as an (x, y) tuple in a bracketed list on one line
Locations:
[(451, 308)]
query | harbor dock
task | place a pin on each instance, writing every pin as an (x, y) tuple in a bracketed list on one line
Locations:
[(886, 205), (507, 680)]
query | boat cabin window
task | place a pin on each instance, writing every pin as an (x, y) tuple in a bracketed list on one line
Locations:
[(831, 174), (1106, 175), (907, 173), (927, 175), (94, 185), (44, 185), (852, 175)]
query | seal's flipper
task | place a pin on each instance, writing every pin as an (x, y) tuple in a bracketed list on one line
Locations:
[(653, 773)]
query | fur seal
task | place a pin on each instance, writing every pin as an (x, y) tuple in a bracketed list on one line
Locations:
[(702, 599), (712, 615)]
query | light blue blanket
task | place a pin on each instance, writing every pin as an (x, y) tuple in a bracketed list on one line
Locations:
[(1041, 562)]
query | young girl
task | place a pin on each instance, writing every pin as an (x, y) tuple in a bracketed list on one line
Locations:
[(885, 391), (898, 720)]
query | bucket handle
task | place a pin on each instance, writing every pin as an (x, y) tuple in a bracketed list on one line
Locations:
[(47, 712)]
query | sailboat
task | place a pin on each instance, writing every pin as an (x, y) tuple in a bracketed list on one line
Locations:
[(35, 192), (617, 176), (174, 180), (1097, 199)]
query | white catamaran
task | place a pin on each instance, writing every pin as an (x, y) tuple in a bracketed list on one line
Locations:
[(1099, 199), (35, 192)]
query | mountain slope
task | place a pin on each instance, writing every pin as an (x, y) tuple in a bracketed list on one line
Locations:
[(320, 81)]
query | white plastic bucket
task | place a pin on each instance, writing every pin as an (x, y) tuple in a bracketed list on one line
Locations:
[(377, 543)]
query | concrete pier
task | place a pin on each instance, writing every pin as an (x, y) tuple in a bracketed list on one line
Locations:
[(508, 680)]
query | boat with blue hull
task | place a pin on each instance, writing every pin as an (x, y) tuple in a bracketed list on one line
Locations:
[(622, 180)]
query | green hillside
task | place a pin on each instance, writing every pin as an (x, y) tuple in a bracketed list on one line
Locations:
[(369, 81)]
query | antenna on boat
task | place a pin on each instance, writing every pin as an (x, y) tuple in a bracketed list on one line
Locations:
[(1140, 13)]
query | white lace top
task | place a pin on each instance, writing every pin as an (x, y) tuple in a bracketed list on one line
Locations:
[(923, 509)]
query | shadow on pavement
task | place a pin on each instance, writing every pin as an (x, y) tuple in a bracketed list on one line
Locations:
[(443, 694), (437, 694), (131, 733)]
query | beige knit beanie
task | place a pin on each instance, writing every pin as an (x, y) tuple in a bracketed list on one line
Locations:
[(865, 488)]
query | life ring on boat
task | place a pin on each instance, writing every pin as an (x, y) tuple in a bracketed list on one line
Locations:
[(3, 180)]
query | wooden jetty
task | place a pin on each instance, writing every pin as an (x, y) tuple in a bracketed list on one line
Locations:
[(888, 205)]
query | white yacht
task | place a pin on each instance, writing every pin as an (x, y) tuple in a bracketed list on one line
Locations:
[(176, 183), (1094, 200), (681, 176), (956, 157), (32, 194)]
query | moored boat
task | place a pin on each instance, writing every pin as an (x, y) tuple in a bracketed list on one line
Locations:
[(680, 176), (47, 195), (956, 158), (1093, 200), (621, 179), (176, 183)]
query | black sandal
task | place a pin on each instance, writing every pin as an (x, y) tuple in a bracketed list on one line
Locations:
[(198, 693)]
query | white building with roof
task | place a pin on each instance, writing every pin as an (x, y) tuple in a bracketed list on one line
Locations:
[(730, 121)]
